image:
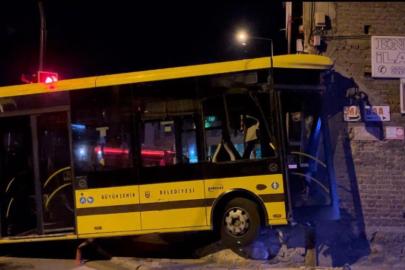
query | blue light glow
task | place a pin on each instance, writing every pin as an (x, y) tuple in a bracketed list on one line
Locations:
[(192, 155), (82, 151), (318, 127), (76, 126)]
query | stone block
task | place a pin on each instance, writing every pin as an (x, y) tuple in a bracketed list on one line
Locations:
[(298, 258), (377, 248), (273, 250), (258, 253), (376, 258)]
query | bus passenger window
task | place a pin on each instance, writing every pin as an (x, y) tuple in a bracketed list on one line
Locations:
[(233, 128), (101, 135), (189, 140), (168, 111), (245, 139), (158, 148), (169, 142), (236, 111)]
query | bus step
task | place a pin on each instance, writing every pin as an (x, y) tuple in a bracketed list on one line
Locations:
[(32, 236), (67, 229)]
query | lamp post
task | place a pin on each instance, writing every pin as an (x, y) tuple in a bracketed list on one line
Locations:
[(243, 37), (42, 36)]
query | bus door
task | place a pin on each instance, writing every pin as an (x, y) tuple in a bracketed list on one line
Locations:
[(311, 174), (37, 197), (54, 162), (18, 214)]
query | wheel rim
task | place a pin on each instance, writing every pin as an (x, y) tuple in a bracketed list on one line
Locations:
[(237, 221)]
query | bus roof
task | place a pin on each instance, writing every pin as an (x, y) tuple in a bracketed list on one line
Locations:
[(293, 61)]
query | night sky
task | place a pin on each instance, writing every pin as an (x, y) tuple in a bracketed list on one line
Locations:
[(105, 37)]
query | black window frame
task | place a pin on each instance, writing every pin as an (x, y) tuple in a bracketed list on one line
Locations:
[(90, 179), (172, 173)]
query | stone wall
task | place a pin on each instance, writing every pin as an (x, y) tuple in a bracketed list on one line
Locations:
[(370, 174)]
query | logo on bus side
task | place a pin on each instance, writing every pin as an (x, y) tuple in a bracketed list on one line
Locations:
[(117, 196), (90, 200), (275, 185), (147, 194), (176, 191), (82, 200), (215, 188)]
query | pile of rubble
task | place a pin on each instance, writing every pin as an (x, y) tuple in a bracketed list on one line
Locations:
[(284, 246)]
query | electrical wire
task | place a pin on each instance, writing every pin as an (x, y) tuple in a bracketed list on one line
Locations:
[(347, 37)]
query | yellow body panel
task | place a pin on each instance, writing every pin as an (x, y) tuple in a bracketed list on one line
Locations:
[(108, 196), (170, 205), (191, 195), (39, 88), (112, 210), (297, 61), (173, 191), (275, 222), (216, 187), (275, 210), (128, 233), (166, 207), (283, 61), (108, 223), (178, 218)]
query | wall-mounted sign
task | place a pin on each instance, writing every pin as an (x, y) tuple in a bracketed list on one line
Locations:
[(394, 133), (402, 94), (371, 113), (377, 113), (351, 113), (388, 56), (367, 133)]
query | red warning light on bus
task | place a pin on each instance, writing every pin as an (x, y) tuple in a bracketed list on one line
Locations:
[(47, 77)]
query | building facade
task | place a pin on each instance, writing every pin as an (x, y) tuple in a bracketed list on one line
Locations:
[(370, 173)]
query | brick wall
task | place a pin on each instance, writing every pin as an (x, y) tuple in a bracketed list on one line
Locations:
[(370, 175)]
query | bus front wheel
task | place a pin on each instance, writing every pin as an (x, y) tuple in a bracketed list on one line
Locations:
[(240, 223)]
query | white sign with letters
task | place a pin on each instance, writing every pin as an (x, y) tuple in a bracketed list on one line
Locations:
[(371, 113), (377, 113), (351, 113), (388, 56), (394, 133)]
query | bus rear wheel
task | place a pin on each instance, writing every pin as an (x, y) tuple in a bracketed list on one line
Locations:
[(240, 222)]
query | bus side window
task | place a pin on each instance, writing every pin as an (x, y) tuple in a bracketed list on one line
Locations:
[(233, 134), (101, 133), (169, 142), (158, 146), (168, 132)]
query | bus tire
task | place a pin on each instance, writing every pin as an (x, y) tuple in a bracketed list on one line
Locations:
[(240, 223)]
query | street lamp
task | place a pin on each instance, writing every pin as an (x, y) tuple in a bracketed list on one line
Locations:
[(243, 37)]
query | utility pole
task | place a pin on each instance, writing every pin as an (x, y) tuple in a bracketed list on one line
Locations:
[(42, 36)]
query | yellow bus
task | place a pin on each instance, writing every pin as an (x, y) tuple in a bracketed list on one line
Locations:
[(204, 147)]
